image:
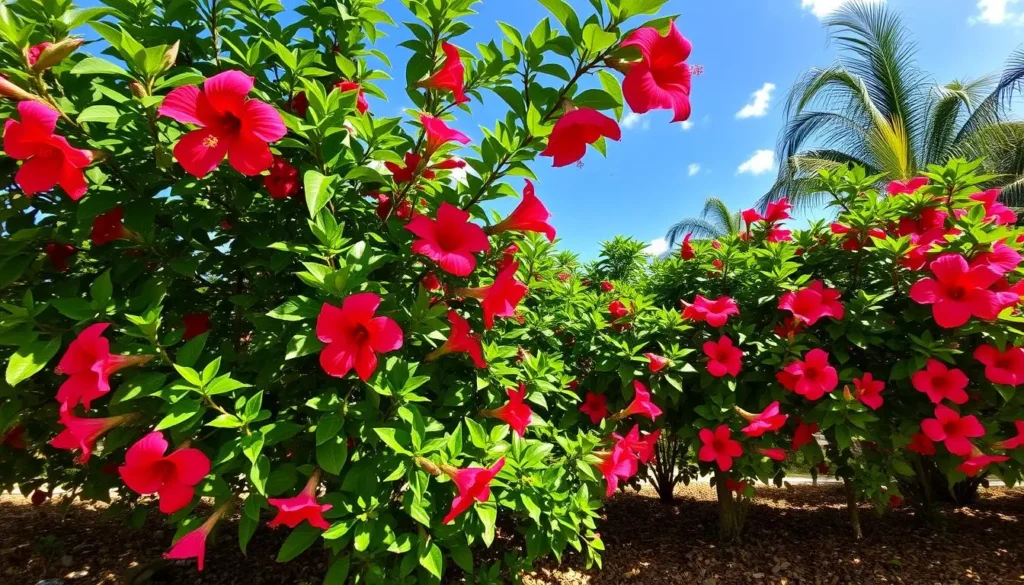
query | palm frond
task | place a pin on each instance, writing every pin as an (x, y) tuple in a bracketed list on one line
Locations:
[(891, 148), (798, 177), (719, 215), (700, 228), (995, 107), (884, 58), (950, 105)]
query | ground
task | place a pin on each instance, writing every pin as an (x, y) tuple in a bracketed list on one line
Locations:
[(797, 536)]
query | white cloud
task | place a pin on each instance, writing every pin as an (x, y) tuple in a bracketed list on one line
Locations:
[(657, 247), (632, 120), (823, 8), (996, 12), (686, 126), (758, 107), (693, 169), (762, 162)]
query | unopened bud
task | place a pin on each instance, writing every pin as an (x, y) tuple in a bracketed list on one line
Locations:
[(620, 65), (847, 395), (170, 57), (54, 54), (11, 91), (137, 89)]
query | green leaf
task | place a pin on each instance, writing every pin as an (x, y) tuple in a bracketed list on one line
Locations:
[(338, 573), (97, 66), (630, 8), (104, 114), (303, 344), (29, 359), (328, 428), (389, 436), (318, 191), (180, 412), (430, 559), (596, 39), (297, 542), (258, 474), (101, 290), (332, 454), (298, 308), (191, 376), (463, 557), (222, 385), (189, 353), (565, 15)]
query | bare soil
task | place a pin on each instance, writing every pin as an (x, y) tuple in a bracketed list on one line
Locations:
[(797, 536)]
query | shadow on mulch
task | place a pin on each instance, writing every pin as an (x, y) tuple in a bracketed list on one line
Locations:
[(793, 537), (802, 536)]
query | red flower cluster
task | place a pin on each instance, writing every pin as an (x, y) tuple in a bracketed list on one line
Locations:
[(715, 313)]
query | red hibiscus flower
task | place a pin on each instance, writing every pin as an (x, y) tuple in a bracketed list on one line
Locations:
[(88, 364), (977, 461), (299, 104), (953, 430), (193, 544), (855, 239), (595, 406), (718, 446), (656, 363), (508, 257), (607, 286), (361, 104), (645, 447), (301, 508), (777, 211), (354, 336), (995, 211), (529, 216), (760, 423), (430, 281), (789, 327), (461, 339), (450, 76), (618, 310), (82, 433), (108, 226), (195, 325), (641, 404), (403, 174), (451, 240), (869, 391), (776, 235), (283, 180), (723, 357), (1002, 367), (661, 79), (908, 188), (500, 298), (750, 217), (474, 484), (574, 131), (715, 313), (804, 434), (811, 378), (1001, 259), (735, 486), (58, 255), (516, 413), (147, 470), (773, 453), (49, 159), (14, 438), (620, 463), (230, 124), (957, 291), (940, 382), (1013, 442), (439, 134), (686, 251), (813, 302), (921, 444)]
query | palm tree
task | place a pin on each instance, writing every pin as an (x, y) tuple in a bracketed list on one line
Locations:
[(876, 108), (715, 221)]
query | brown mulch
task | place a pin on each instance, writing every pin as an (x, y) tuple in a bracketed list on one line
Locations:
[(799, 536)]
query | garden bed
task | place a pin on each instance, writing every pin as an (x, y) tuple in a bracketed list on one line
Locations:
[(793, 536)]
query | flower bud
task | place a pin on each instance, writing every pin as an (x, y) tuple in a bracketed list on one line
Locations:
[(170, 57), (137, 89), (11, 91), (56, 53)]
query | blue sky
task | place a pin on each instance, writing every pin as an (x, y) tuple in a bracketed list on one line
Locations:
[(752, 51), (659, 172)]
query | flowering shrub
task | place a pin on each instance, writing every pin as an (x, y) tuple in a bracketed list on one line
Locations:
[(893, 332), (229, 277)]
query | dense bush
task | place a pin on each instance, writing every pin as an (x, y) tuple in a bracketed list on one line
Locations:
[(327, 326)]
